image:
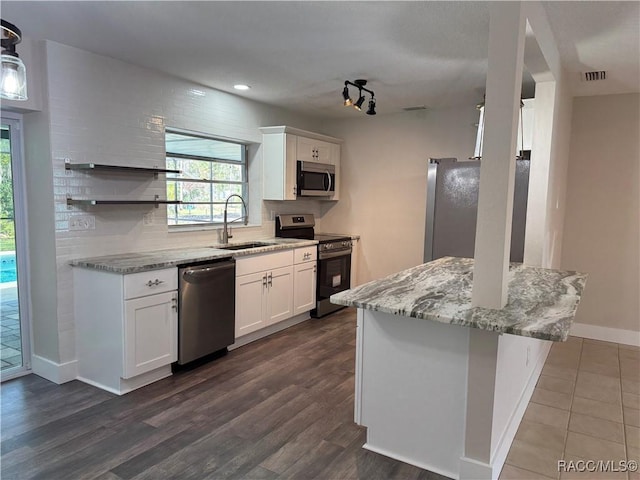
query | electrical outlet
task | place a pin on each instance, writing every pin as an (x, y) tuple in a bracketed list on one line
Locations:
[(82, 222), (148, 219)]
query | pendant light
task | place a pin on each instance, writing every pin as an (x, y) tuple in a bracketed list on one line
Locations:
[(13, 79), (480, 135)]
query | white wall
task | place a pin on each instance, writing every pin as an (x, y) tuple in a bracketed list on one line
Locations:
[(602, 222), (384, 178), (103, 110)]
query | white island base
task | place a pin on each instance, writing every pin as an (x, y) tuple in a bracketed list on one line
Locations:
[(442, 397)]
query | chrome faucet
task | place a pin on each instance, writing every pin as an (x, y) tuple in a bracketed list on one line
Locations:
[(226, 232)]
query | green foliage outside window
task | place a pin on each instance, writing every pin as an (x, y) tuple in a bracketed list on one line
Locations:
[(211, 170), (7, 228)]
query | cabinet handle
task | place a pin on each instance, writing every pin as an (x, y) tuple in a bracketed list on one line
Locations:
[(314, 269), (270, 280), (155, 283), (264, 280)]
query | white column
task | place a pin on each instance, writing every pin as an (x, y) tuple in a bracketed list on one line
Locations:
[(475, 464), (495, 203), (539, 173)]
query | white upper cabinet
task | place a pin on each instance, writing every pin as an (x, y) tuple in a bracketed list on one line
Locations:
[(282, 147), (313, 150)]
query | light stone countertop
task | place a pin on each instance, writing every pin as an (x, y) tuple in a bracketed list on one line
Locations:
[(542, 302), (154, 260)]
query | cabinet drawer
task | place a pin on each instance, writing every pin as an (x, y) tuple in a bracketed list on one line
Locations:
[(305, 254), (263, 262), (148, 283)]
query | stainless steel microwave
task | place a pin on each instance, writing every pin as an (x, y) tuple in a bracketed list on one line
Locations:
[(316, 179)]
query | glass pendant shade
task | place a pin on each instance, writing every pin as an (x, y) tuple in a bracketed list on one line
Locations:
[(13, 83)]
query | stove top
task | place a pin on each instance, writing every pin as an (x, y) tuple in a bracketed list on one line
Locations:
[(301, 226), (328, 238)]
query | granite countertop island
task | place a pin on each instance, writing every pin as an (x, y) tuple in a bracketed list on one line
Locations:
[(440, 396), (542, 302), (127, 263)]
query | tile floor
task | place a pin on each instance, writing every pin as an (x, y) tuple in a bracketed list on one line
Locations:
[(10, 346), (586, 406)]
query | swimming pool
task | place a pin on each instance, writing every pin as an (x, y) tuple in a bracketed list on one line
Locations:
[(7, 267)]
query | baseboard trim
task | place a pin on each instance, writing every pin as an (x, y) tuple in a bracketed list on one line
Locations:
[(127, 385), (270, 330), (606, 334), (54, 372), (502, 450), (99, 385), (410, 461), (471, 469)]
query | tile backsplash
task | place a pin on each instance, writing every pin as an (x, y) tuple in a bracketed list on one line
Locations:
[(93, 119)]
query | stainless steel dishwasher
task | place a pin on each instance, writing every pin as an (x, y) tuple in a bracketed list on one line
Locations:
[(206, 309)]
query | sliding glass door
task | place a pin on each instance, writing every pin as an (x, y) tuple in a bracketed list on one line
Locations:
[(14, 325)]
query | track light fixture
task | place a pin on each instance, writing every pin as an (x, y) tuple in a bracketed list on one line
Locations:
[(360, 85), (13, 80)]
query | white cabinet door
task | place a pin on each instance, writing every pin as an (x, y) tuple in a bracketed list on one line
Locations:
[(150, 333), (323, 152), (251, 293), (306, 149), (304, 287), (311, 150), (280, 297)]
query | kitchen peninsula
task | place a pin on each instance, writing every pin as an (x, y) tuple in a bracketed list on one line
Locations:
[(440, 395)]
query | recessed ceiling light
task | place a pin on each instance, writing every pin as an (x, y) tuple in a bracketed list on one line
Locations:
[(241, 86)]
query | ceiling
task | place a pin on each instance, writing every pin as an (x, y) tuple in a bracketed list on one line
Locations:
[(298, 54)]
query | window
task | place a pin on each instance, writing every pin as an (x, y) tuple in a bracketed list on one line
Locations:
[(212, 169)]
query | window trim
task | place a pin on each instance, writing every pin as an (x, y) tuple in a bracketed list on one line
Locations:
[(245, 173)]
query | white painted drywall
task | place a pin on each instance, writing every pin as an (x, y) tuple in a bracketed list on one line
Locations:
[(384, 179), (602, 223)]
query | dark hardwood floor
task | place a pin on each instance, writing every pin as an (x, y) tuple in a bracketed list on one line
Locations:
[(281, 407)]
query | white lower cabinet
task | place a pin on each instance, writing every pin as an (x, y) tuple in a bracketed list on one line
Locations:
[(279, 295), (274, 287), (304, 280), (250, 303), (126, 327), (150, 333), (263, 298)]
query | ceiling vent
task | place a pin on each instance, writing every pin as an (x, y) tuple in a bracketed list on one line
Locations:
[(412, 109), (594, 76)]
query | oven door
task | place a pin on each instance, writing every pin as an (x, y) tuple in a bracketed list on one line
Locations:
[(316, 179), (334, 275)]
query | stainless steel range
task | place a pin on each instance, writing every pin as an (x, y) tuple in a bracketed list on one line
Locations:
[(334, 258)]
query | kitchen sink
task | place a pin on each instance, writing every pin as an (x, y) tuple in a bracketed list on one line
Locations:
[(244, 246)]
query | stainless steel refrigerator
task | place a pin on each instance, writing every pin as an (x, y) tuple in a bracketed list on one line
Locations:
[(452, 208)]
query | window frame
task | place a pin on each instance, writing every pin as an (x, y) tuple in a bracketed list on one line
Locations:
[(244, 163)]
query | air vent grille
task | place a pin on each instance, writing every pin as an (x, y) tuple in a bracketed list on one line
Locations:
[(594, 76), (411, 109)]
